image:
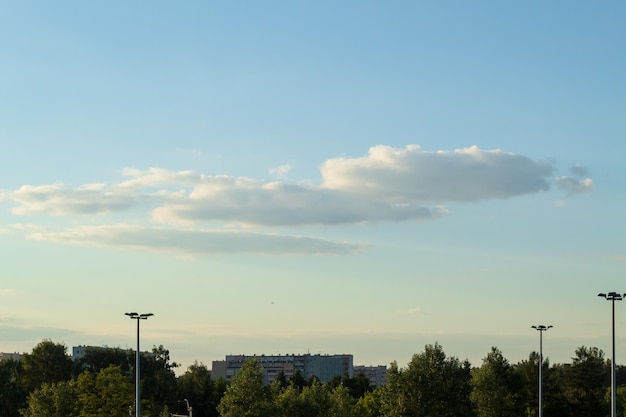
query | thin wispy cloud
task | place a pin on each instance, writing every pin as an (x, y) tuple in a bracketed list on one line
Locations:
[(197, 241), (280, 171), (414, 310), (386, 185)]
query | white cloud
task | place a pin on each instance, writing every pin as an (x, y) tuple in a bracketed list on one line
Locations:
[(249, 202), (6, 291), (417, 176), (280, 171), (388, 184), (415, 310), (58, 200), (575, 186), (158, 177), (28, 227), (197, 242)]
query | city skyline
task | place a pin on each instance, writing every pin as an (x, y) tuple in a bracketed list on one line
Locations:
[(313, 177)]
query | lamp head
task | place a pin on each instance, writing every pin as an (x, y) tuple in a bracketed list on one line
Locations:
[(612, 296)]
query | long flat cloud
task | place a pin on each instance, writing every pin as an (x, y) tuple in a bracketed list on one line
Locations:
[(197, 242), (414, 175), (387, 184)]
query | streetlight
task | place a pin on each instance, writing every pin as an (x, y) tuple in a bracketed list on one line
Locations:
[(137, 316), (541, 328), (613, 297), (189, 409)]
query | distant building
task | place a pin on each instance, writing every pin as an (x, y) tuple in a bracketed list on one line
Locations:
[(324, 367), (377, 375), (80, 351), (10, 356)]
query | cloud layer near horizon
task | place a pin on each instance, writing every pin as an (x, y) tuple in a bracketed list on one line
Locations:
[(387, 184)]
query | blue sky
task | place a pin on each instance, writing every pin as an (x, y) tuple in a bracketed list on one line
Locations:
[(331, 177)]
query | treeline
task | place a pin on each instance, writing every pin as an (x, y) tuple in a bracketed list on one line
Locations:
[(48, 383)]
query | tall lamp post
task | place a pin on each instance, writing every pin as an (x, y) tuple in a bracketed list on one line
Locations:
[(138, 317), (613, 297), (541, 328)]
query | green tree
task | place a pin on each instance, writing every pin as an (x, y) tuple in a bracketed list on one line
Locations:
[(287, 401), (12, 393), (298, 380), (342, 404), (358, 385), (555, 403), (165, 412), (497, 388), (48, 362), (158, 380), (107, 394), (97, 358), (246, 396), (586, 381), (529, 372), (621, 400), (431, 385), (315, 400), (57, 399), (369, 404), (396, 397), (196, 386)]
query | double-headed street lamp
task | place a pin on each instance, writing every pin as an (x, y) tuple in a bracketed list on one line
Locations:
[(541, 328), (613, 297), (138, 317)]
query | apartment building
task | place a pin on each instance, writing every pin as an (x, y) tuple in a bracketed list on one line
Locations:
[(377, 375), (324, 367), (4, 356)]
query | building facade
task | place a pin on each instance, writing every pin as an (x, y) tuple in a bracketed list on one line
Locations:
[(79, 352), (377, 375), (4, 356), (324, 367)]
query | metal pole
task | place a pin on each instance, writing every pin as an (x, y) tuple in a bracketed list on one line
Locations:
[(137, 377), (137, 316), (613, 296), (541, 328), (613, 382), (540, 376)]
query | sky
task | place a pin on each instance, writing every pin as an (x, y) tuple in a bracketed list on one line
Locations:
[(286, 177)]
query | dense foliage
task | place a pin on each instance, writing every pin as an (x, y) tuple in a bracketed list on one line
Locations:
[(47, 383)]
